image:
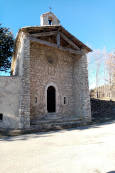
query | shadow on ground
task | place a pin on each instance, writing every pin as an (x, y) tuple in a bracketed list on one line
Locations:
[(48, 133), (103, 113)]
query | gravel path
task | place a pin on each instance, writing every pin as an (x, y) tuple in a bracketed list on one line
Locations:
[(83, 150)]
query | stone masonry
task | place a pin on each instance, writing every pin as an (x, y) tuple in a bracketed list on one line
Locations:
[(47, 57), (10, 88), (44, 74), (68, 74)]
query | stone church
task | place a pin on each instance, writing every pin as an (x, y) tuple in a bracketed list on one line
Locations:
[(48, 85)]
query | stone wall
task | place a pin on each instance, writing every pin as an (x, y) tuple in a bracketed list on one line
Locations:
[(9, 102), (49, 66), (25, 80), (21, 67), (81, 89), (68, 74), (15, 90), (37, 67)]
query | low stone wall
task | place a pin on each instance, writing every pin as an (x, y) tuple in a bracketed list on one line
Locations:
[(9, 102), (102, 110)]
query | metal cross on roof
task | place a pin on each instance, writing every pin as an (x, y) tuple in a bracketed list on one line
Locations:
[(50, 8)]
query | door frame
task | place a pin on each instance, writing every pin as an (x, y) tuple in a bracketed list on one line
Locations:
[(56, 97), (51, 94)]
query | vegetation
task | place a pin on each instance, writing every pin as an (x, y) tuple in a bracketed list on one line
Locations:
[(6, 48), (102, 69)]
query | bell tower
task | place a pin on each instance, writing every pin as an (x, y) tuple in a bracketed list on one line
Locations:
[(49, 19)]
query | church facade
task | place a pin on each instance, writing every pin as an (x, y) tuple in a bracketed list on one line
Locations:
[(49, 81)]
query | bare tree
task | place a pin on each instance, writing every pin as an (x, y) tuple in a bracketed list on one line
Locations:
[(99, 63), (101, 66), (96, 67), (110, 71)]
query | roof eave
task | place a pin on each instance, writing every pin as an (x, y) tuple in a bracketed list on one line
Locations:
[(61, 28)]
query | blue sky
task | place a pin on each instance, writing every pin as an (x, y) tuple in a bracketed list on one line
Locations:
[(91, 21)]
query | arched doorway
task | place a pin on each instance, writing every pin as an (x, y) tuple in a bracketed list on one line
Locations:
[(51, 99)]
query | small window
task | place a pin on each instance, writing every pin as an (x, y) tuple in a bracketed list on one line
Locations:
[(35, 99), (65, 101), (50, 22), (1, 116)]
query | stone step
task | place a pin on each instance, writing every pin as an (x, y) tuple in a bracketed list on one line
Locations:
[(46, 126), (50, 116), (38, 121), (55, 121)]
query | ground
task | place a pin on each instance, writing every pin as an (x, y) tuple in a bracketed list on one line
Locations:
[(88, 149)]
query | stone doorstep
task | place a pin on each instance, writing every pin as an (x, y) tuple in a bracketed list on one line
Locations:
[(49, 125), (55, 126), (49, 116), (59, 120), (43, 127), (54, 123)]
